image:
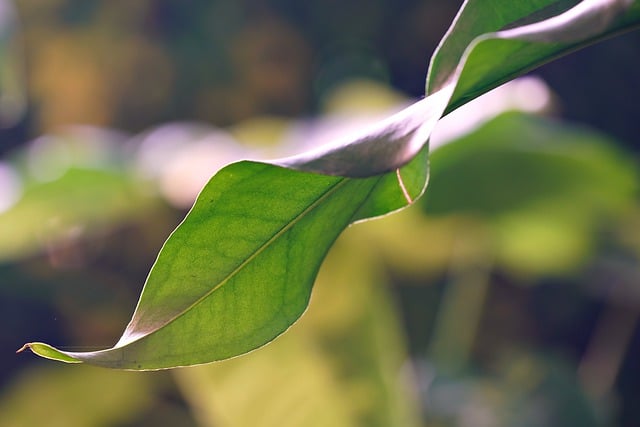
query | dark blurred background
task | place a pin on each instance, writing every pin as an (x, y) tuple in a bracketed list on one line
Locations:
[(131, 66), (134, 66)]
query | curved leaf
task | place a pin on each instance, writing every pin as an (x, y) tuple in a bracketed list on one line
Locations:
[(476, 55), (239, 270), (491, 42), (381, 148)]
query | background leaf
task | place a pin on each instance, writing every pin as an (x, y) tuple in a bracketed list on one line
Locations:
[(542, 187), (81, 199), (68, 185), (66, 398)]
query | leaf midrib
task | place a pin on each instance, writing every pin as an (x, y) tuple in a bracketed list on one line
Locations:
[(330, 191)]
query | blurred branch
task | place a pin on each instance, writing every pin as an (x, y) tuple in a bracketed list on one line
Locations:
[(601, 364), (463, 301)]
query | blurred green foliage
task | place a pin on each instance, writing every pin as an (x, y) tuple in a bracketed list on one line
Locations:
[(472, 331), (526, 246), (218, 61)]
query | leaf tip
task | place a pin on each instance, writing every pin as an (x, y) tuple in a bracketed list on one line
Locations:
[(48, 352), (23, 348)]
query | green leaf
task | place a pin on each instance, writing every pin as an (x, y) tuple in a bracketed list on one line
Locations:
[(544, 188), (358, 333), (516, 161), (380, 148), (81, 199), (239, 270), (493, 41), (476, 55)]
